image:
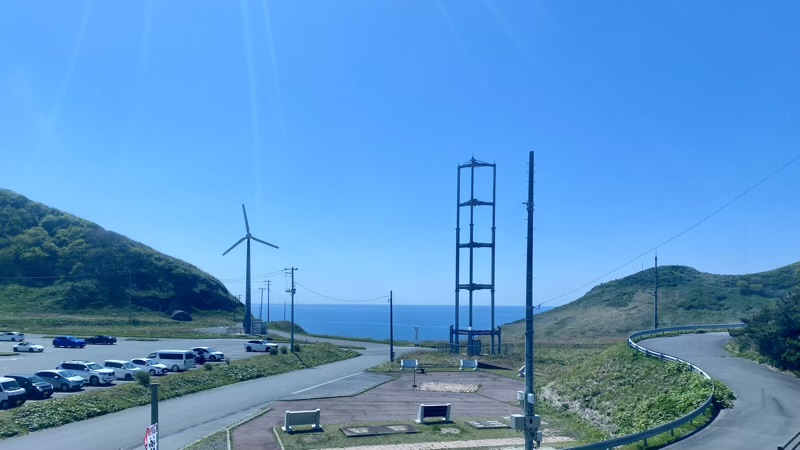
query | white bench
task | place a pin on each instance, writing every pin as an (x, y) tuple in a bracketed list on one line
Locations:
[(295, 418), (471, 364), (427, 411), (408, 364)]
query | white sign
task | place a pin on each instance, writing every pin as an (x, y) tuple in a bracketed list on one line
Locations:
[(151, 437)]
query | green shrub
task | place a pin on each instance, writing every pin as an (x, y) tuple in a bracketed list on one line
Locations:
[(297, 348), (208, 367), (143, 378), (723, 395), (273, 351), (284, 350)]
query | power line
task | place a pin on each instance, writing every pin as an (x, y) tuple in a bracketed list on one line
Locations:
[(241, 279), (717, 211), (339, 299)]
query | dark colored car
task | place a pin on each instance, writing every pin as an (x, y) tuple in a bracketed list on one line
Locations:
[(101, 339), (68, 341), (35, 387)]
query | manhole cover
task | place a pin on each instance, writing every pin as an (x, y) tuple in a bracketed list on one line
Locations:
[(449, 387)]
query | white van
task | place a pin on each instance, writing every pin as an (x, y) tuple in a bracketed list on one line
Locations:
[(176, 360), (11, 393)]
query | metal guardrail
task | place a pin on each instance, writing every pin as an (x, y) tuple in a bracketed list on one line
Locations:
[(786, 445), (644, 435)]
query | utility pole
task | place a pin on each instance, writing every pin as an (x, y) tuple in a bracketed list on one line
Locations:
[(391, 329), (268, 283), (261, 307), (655, 305), (292, 291), (530, 421)]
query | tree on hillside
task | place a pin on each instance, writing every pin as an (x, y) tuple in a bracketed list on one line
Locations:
[(775, 332)]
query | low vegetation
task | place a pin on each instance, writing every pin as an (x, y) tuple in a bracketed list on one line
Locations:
[(53, 261), (773, 335), (612, 310), (60, 411), (141, 325), (622, 391)]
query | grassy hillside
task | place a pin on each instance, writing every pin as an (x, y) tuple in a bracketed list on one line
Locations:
[(622, 391), (685, 296), (51, 261)]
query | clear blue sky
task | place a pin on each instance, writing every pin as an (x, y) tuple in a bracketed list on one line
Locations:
[(340, 125)]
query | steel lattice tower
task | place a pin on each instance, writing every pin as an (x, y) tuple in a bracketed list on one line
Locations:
[(471, 286)]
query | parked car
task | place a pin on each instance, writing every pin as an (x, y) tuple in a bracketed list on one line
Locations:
[(150, 365), (208, 354), (63, 380), (28, 347), (12, 336), (68, 341), (90, 371), (101, 339), (259, 346), (11, 393), (123, 370), (35, 387)]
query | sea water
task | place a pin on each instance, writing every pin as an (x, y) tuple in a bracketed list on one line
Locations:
[(410, 322)]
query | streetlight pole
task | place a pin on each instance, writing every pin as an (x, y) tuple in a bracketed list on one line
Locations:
[(391, 329)]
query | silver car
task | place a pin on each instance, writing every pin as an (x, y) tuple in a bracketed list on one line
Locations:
[(63, 380)]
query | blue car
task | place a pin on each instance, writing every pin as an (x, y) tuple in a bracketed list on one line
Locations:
[(68, 341)]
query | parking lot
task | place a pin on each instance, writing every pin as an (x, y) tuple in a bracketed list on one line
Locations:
[(27, 363)]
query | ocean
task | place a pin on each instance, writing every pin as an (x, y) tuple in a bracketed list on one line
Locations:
[(411, 322)]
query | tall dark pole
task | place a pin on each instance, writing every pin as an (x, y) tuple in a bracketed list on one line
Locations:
[(532, 427), (268, 283), (494, 246), (655, 305), (292, 291), (391, 329), (261, 307), (154, 408), (455, 340)]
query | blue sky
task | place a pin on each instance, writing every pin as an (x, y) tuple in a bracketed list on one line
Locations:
[(340, 126)]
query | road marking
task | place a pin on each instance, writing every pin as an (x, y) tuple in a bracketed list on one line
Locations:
[(327, 382)]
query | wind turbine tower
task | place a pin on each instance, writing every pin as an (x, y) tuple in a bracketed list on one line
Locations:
[(248, 237)]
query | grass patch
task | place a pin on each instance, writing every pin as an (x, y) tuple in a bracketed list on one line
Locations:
[(664, 439), (623, 391), (216, 441), (60, 411), (92, 322)]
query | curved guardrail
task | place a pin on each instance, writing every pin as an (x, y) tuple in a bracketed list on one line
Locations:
[(644, 435)]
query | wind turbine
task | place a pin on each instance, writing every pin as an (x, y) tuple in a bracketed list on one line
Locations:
[(247, 237)]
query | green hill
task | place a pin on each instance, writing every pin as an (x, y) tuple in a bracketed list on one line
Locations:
[(685, 297), (51, 261)]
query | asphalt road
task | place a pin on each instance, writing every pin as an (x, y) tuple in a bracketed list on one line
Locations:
[(766, 412), (182, 420)]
